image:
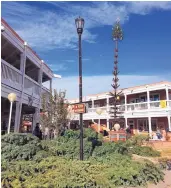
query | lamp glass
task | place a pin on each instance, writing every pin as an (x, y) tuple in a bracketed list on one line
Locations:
[(12, 97), (79, 22)]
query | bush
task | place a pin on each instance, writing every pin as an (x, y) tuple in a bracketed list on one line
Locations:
[(137, 140), (61, 172), (69, 147), (19, 146), (145, 151), (109, 148)]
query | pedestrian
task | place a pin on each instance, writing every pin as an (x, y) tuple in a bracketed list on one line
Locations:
[(158, 133), (37, 132), (128, 132), (46, 133)]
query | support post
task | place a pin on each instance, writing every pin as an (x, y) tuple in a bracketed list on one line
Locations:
[(35, 118), (167, 96), (108, 124), (99, 126), (148, 98), (125, 102), (50, 84), (126, 122), (92, 103), (149, 124), (22, 68), (17, 122), (107, 104)]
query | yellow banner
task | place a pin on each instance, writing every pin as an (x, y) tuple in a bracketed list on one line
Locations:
[(163, 104)]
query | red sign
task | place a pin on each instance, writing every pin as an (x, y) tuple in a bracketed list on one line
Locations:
[(79, 108)]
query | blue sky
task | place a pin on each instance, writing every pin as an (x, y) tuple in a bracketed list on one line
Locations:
[(49, 28)]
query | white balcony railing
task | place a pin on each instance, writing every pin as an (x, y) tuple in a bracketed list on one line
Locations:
[(137, 106), (131, 107), (154, 104)]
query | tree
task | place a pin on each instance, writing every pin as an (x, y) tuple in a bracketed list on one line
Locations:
[(54, 110), (117, 35)]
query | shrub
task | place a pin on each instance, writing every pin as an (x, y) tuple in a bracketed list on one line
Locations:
[(145, 151), (165, 163), (61, 172), (109, 148), (67, 147), (137, 140), (19, 146)]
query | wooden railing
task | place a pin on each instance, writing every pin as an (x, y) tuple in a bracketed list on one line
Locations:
[(31, 86), (10, 74)]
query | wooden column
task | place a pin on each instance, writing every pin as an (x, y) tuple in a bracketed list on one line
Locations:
[(22, 68), (17, 121)]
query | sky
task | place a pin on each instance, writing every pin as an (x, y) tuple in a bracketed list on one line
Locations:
[(49, 28)]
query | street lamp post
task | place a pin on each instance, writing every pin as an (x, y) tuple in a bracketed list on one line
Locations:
[(79, 22), (11, 97)]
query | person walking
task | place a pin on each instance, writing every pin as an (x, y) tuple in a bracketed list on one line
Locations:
[(37, 132), (46, 133)]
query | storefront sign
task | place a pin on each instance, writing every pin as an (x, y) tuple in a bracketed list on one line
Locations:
[(79, 108)]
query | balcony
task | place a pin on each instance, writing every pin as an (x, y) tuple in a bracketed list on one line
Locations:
[(136, 108), (12, 77)]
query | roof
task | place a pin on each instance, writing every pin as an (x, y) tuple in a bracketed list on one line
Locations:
[(129, 88), (17, 36)]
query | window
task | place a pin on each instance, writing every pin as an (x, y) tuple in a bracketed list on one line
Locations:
[(131, 124), (143, 125)]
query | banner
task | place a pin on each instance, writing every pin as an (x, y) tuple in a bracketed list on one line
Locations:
[(163, 104)]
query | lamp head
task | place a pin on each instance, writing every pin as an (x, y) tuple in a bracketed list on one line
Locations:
[(12, 97), (79, 22)]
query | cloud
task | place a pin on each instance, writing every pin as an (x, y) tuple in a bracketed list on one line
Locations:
[(99, 84), (46, 29), (86, 59), (70, 61), (57, 67)]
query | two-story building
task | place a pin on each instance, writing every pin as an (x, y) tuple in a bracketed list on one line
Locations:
[(22, 73), (144, 108)]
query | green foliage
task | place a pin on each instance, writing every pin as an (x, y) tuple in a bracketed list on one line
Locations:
[(54, 106), (61, 172), (137, 140), (145, 151), (54, 163), (19, 146), (110, 147)]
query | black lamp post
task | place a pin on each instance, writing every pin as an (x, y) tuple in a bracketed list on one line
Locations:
[(79, 22)]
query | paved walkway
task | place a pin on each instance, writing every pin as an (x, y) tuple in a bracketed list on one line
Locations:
[(166, 183)]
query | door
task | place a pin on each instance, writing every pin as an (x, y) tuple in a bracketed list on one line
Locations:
[(142, 125), (131, 124)]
